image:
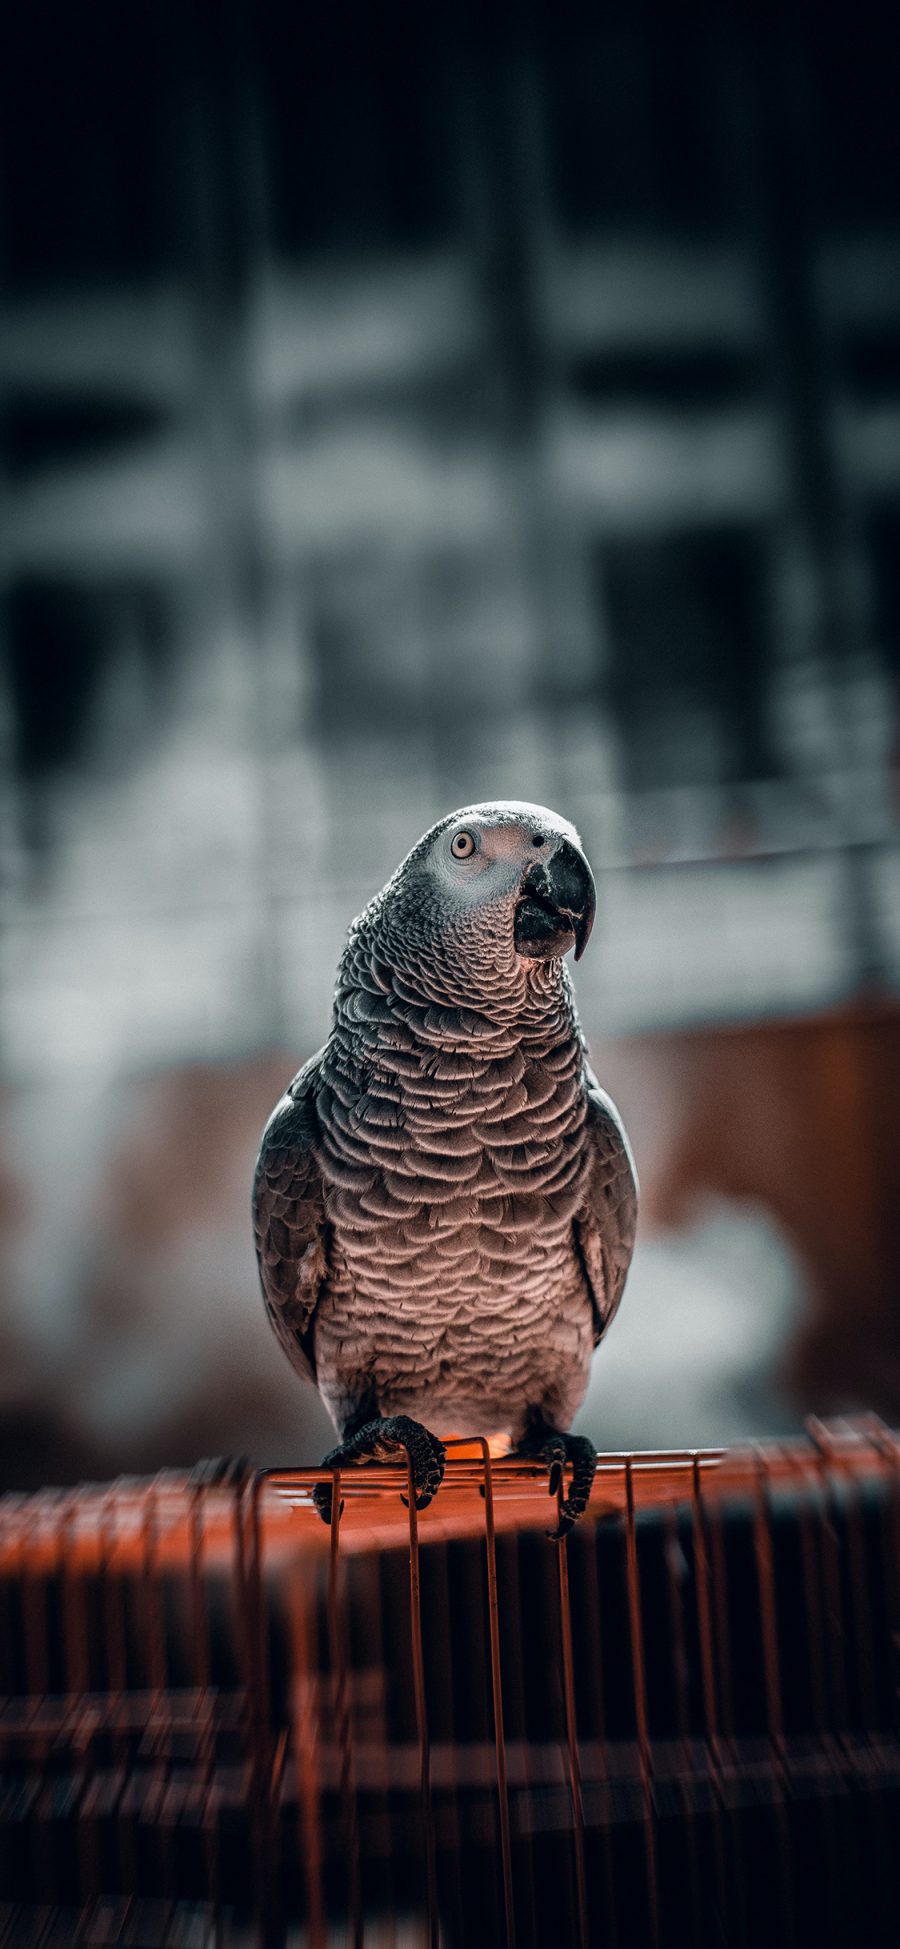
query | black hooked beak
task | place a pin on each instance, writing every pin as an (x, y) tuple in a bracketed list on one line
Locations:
[(558, 899)]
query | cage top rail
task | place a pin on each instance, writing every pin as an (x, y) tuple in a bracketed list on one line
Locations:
[(112, 1518), (643, 1478)]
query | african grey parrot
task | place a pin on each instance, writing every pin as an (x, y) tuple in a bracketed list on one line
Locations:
[(445, 1199)]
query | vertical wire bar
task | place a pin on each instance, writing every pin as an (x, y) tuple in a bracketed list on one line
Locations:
[(672, 1552), (517, 1734), (305, 1695), (639, 1681), (838, 1653), (598, 1720), (728, 1744), (341, 1692), (47, 1561), (871, 1813), (814, 1605), (708, 1687), (861, 1612), (116, 1680), (75, 1639), (835, 1635), (77, 1689), (573, 1759), (47, 1552), (861, 1608), (34, 1615), (382, 1826), (497, 1694), (813, 1597), (247, 1492), (151, 1598), (768, 1622), (200, 1664), (765, 1583), (722, 1622), (418, 1663), (246, 1512), (155, 1642), (244, 1521), (834, 1610)]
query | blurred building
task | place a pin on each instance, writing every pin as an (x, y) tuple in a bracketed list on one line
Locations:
[(398, 412)]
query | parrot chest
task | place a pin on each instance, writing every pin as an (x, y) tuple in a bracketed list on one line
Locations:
[(454, 1280)]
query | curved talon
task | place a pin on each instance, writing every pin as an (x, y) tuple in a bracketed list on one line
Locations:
[(557, 1450), (426, 1453), (323, 1498)]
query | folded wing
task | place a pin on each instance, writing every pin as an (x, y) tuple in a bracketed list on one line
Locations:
[(289, 1220), (605, 1227)]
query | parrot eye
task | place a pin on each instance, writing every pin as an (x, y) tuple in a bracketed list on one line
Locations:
[(462, 845)]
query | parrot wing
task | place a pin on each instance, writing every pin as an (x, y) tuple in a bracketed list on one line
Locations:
[(289, 1219), (605, 1227)]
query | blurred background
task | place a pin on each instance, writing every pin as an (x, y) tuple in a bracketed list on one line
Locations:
[(402, 406)]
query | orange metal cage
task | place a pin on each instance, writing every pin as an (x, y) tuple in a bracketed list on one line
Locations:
[(224, 1722)]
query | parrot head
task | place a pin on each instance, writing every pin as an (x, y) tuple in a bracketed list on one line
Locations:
[(504, 877)]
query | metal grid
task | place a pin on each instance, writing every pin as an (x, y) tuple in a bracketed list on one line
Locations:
[(225, 1723)]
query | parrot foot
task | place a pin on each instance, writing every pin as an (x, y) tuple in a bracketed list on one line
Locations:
[(557, 1450), (378, 1440)]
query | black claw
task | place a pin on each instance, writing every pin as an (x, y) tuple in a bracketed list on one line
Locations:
[(426, 1453), (322, 1496), (556, 1450)]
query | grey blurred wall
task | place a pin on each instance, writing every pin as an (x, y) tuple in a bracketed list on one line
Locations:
[(400, 407)]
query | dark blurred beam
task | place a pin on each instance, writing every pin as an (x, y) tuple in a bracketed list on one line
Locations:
[(830, 627)]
